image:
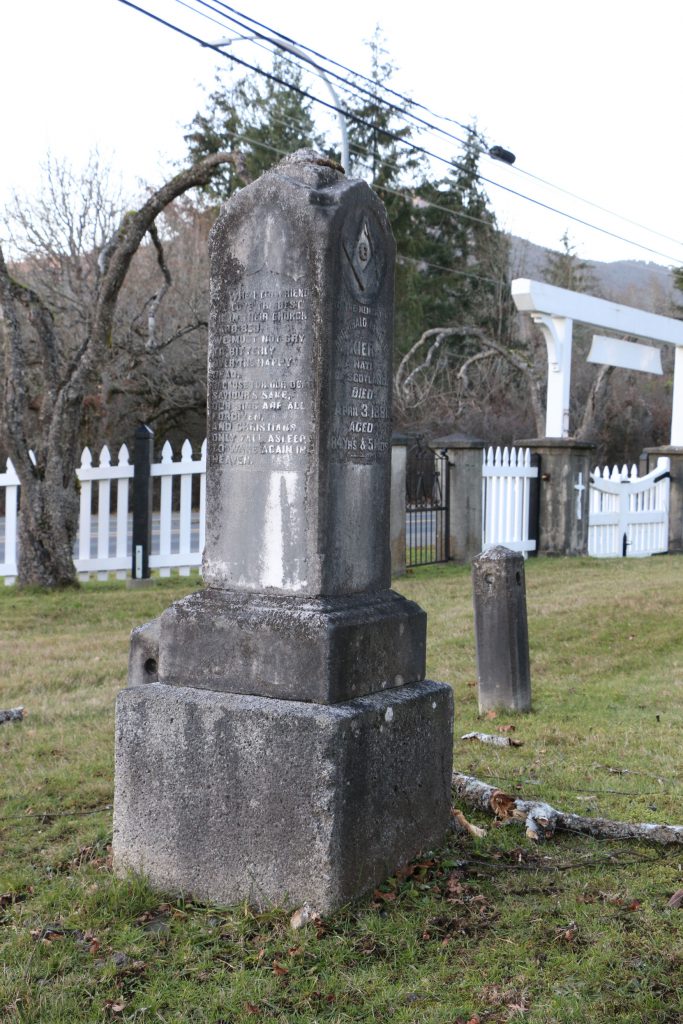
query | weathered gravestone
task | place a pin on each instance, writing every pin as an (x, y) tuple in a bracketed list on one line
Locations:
[(288, 748), (502, 634)]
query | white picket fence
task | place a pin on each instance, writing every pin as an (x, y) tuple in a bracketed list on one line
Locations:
[(628, 514), (506, 486), (104, 541)]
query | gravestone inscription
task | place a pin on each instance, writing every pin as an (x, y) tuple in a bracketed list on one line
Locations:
[(287, 746)]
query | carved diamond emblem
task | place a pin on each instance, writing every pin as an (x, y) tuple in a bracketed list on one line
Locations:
[(363, 247), (359, 255)]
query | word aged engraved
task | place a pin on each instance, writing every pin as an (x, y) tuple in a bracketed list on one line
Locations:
[(260, 412), (361, 420)]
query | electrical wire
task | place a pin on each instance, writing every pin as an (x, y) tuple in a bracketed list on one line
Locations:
[(597, 206), (238, 136), (468, 128), (290, 122), (372, 93), (394, 136), (410, 114)]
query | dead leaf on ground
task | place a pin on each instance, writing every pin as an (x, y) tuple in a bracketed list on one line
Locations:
[(114, 1006), (50, 933), (303, 916), (676, 900), (279, 969), (502, 804), (491, 714), (567, 933), (454, 886), (514, 1000), (506, 728)]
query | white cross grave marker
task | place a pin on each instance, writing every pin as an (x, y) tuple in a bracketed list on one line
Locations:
[(579, 487)]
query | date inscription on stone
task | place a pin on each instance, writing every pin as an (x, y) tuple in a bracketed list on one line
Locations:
[(361, 426)]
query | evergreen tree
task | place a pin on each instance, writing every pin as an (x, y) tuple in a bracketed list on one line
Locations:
[(257, 117), (677, 273), (465, 256), (567, 270)]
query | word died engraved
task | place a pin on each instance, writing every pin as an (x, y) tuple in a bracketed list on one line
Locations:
[(260, 407), (361, 416)]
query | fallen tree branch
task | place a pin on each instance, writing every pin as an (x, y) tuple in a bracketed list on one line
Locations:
[(494, 741), (461, 824), (542, 820), (11, 715)]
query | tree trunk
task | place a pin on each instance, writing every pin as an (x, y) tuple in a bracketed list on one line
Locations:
[(48, 514)]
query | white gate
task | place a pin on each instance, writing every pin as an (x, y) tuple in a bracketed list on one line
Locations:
[(629, 515), (506, 483)]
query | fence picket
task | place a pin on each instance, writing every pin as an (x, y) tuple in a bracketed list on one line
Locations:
[(85, 510), (10, 481), (505, 485), (103, 510), (185, 528), (165, 510), (122, 492), (202, 498)]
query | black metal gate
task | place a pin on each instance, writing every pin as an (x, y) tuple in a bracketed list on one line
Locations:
[(427, 520)]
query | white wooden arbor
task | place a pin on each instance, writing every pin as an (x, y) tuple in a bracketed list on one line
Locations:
[(555, 309)]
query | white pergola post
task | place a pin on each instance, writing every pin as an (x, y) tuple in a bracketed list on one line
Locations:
[(557, 331), (554, 310), (677, 401)]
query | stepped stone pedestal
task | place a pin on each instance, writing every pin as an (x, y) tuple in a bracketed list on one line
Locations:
[(278, 741)]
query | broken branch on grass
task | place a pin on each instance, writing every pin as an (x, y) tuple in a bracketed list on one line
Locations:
[(461, 824), (542, 820), (495, 741), (12, 715)]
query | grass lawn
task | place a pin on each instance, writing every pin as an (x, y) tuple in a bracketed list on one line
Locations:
[(485, 930)]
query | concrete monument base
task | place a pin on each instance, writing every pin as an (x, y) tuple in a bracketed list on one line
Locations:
[(230, 797), (324, 650)]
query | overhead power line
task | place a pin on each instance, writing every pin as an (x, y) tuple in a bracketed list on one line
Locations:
[(238, 136), (411, 104), (330, 61), (389, 134)]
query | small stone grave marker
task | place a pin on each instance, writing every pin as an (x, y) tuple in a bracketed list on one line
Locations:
[(502, 635)]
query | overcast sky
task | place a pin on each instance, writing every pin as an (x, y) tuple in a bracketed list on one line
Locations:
[(587, 95)]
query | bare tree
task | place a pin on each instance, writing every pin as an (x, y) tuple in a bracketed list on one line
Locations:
[(452, 368), (57, 315)]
